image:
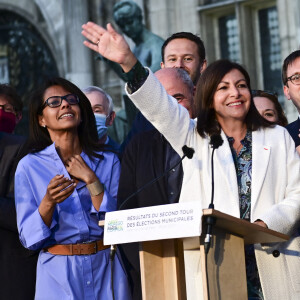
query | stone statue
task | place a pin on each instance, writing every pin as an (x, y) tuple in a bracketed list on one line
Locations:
[(128, 16)]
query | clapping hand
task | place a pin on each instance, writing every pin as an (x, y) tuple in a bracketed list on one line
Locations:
[(77, 168), (109, 43), (261, 223), (59, 189)]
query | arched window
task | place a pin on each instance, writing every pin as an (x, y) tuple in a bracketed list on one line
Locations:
[(25, 58)]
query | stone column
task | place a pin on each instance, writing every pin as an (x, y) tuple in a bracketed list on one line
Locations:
[(170, 16), (79, 58)]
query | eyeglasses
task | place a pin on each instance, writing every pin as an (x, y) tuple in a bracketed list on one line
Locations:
[(7, 108), (294, 79), (56, 101)]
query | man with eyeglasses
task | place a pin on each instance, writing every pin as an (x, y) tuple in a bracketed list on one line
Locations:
[(291, 88), (17, 264), (103, 109)]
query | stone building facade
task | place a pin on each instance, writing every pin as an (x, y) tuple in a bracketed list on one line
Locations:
[(257, 33)]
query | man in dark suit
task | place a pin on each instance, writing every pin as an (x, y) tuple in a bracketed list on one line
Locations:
[(291, 88), (17, 264), (147, 156), (182, 50)]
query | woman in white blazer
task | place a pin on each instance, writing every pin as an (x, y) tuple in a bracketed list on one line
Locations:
[(257, 170)]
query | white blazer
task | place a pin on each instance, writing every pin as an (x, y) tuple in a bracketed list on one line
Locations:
[(275, 186)]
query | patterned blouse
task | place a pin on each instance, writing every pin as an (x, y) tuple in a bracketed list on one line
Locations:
[(243, 166)]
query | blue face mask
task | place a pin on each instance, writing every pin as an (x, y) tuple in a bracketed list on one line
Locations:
[(100, 123)]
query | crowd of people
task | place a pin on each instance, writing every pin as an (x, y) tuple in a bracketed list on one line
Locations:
[(57, 184)]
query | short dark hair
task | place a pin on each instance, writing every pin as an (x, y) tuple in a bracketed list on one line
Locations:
[(207, 123), (39, 137), (11, 95), (288, 61), (189, 36), (282, 120)]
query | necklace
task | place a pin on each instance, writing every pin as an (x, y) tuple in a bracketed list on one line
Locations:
[(237, 150)]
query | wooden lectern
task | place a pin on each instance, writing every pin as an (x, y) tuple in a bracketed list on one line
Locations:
[(162, 262)]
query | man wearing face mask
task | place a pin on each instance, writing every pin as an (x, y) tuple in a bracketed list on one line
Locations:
[(10, 109), (18, 265), (102, 106)]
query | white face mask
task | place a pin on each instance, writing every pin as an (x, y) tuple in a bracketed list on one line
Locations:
[(100, 123)]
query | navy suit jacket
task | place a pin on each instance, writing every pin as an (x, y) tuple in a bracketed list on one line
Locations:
[(293, 129), (17, 264), (146, 157), (139, 125)]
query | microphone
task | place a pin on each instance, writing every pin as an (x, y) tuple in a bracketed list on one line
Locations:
[(215, 141), (187, 152), (111, 258)]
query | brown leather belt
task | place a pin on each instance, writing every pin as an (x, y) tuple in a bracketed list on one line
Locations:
[(77, 249)]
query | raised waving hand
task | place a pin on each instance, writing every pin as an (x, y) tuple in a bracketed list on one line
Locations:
[(109, 43)]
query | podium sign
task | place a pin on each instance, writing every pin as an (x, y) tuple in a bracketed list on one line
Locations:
[(153, 223), (160, 230)]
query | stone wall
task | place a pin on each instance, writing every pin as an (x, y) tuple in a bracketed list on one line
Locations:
[(60, 22)]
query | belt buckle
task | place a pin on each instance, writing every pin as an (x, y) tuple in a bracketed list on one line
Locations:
[(95, 248), (94, 244)]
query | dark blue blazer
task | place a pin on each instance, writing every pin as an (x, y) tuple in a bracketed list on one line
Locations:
[(147, 156), (17, 264), (293, 129)]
